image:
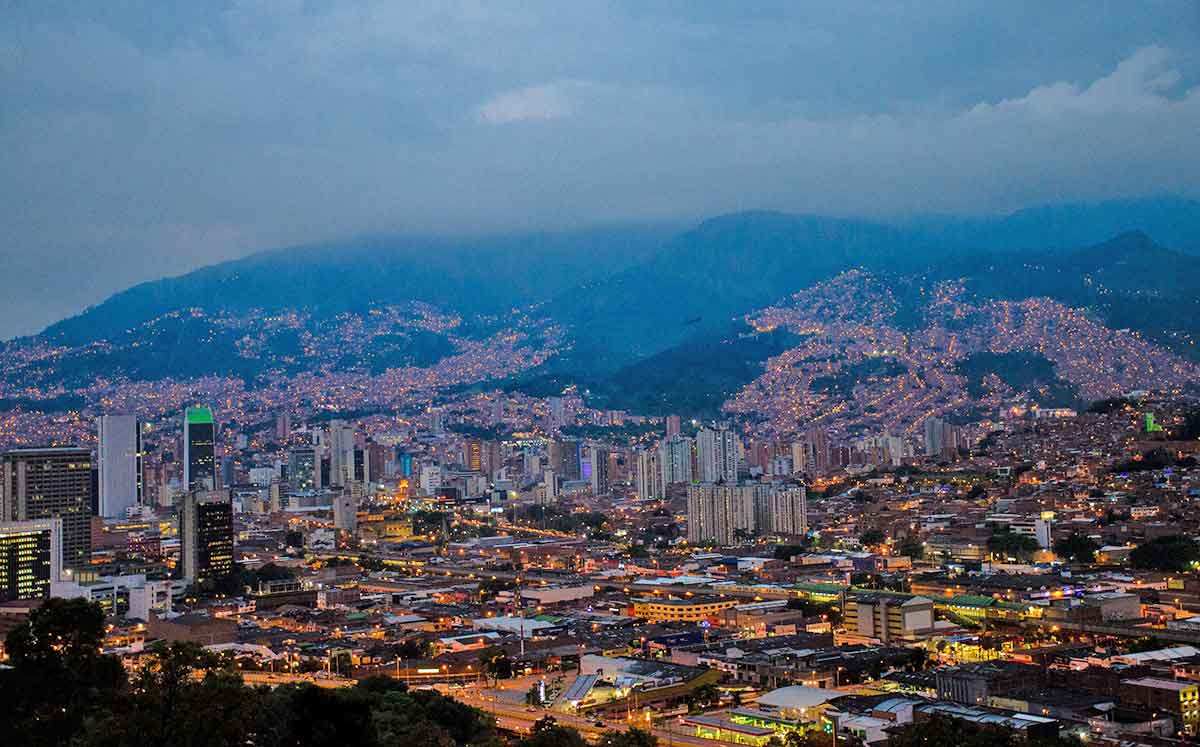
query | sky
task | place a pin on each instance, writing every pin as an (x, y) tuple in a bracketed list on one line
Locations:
[(143, 139)]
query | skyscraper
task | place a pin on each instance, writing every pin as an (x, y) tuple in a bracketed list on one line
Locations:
[(52, 483), (717, 452), (199, 449), (345, 512), (206, 535), (648, 476), (600, 477), (341, 453), (304, 472), (564, 459), (673, 426), (30, 558), (787, 510), (675, 460), (473, 454), (719, 513), (283, 427), (120, 461)]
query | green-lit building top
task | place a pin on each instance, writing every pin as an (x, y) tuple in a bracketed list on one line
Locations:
[(199, 415)]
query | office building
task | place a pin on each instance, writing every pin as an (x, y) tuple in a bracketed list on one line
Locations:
[(345, 512), (283, 428), (199, 449), (473, 454), (341, 453), (564, 459), (206, 535), (1180, 698), (304, 470), (717, 453), (30, 558), (600, 471), (119, 455), (887, 617), (52, 483)]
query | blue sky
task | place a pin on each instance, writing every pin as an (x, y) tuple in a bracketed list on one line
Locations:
[(148, 138)]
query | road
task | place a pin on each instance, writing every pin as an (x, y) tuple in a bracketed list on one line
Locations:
[(507, 703)]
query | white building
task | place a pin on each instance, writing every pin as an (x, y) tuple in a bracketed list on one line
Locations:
[(717, 453), (722, 513), (119, 454)]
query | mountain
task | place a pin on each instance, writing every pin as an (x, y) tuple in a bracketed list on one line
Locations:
[(705, 277), (1172, 221), (642, 317), (488, 275)]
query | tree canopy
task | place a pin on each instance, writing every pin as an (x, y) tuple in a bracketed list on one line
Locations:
[(1176, 553)]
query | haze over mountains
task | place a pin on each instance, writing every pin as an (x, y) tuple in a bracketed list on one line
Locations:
[(633, 305)]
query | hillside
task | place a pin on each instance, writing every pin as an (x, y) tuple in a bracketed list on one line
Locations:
[(724, 267), (641, 318), (468, 276)]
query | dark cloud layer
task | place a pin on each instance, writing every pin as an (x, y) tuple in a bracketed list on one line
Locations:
[(146, 138)]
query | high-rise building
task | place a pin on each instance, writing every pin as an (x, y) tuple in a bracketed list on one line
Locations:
[(725, 513), (719, 513), (30, 558), (550, 485), (206, 535), (378, 457), (493, 458), (341, 453), (473, 454), (304, 471), (600, 475), (799, 457), (786, 510), (648, 476), (817, 451), (675, 456), (283, 428), (673, 426), (360, 466), (934, 428), (119, 455), (199, 449), (52, 483), (717, 453), (345, 512), (564, 459)]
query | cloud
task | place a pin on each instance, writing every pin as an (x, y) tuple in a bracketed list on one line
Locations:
[(527, 104), (156, 136)]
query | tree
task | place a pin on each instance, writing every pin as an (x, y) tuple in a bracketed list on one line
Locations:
[(187, 696), (634, 737), (547, 732), (872, 537), (59, 679), (913, 548), (787, 552), (1175, 553), (496, 664), (1077, 548), (703, 697), (1012, 545)]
